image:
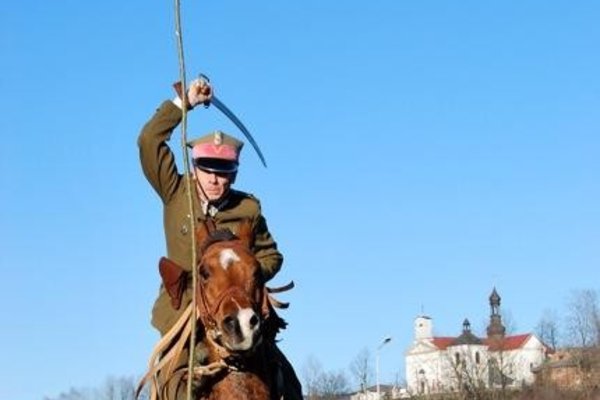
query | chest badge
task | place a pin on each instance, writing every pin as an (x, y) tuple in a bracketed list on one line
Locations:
[(184, 230)]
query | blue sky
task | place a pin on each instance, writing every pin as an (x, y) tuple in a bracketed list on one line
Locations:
[(419, 154)]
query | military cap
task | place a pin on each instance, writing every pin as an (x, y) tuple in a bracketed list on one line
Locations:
[(216, 152)]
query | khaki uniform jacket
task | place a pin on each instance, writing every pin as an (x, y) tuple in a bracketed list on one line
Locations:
[(158, 163)]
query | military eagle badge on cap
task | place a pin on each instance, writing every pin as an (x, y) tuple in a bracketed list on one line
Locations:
[(218, 138)]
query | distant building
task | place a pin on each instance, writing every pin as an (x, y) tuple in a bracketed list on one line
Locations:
[(385, 392), (437, 364), (571, 368)]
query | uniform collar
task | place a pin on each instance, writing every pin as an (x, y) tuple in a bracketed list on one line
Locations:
[(211, 208)]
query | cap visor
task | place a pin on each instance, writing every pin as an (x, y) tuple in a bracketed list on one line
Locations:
[(215, 165)]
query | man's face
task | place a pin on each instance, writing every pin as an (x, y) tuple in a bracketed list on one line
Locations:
[(214, 184)]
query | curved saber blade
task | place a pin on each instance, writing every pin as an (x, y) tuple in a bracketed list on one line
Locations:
[(229, 114)]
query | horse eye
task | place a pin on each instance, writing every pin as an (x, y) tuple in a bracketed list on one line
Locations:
[(204, 274)]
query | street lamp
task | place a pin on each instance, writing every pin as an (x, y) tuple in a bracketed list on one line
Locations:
[(383, 343)]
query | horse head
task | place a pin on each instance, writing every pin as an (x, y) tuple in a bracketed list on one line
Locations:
[(230, 293)]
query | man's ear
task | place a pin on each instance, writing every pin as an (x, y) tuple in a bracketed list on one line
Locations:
[(232, 177)]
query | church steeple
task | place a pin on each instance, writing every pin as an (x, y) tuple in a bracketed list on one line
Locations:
[(495, 329), (466, 337), (495, 302), (466, 326)]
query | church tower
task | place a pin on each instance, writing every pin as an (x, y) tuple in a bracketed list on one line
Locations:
[(423, 327), (495, 329)]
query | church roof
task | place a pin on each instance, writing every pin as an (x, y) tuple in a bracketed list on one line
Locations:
[(443, 342), (508, 343), (467, 338)]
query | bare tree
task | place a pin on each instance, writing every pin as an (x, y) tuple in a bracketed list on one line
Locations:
[(547, 329), (583, 327), (320, 384), (583, 318), (118, 388), (467, 370), (362, 369), (110, 390), (331, 385), (509, 321), (127, 388), (72, 394), (500, 367), (122, 388), (312, 372)]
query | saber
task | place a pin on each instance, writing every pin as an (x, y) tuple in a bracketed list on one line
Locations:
[(229, 114)]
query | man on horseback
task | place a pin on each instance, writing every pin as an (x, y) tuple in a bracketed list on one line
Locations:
[(215, 160)]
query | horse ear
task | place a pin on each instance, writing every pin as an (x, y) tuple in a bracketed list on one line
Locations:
[(245, 233), (202, 233)]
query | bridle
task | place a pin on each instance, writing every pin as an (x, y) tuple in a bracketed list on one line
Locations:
[(206, 310)]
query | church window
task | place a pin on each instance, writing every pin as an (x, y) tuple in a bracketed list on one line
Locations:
[(477, 358)]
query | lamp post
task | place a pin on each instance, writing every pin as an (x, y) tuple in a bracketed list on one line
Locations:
[(383, 343)]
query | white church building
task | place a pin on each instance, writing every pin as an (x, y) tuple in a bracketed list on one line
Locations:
[(437, 364)]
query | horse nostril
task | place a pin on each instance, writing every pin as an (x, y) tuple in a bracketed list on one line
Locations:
[(253, 321), (229, 322)]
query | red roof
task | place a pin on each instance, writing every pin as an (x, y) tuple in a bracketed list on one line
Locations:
[(442, 342), (508, 343)]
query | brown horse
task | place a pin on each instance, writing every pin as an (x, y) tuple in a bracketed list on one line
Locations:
[(237, 325)]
